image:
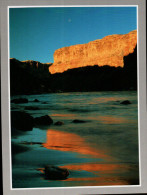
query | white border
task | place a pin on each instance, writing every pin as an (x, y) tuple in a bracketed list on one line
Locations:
[(138, 92), (72, 6)]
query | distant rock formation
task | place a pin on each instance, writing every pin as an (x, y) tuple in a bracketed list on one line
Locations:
[(107, 51), (37, 65), (28, 77)]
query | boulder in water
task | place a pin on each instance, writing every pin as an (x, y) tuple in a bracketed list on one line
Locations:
[(59, 123), (44, 102), (43, 120), (78, 121), (36, 100), (55, 173), (21, 120), (125, 102)]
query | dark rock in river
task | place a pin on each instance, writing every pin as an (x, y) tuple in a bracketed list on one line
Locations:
[(53, 172), (36, 100), (21, 120), (43, 120), (19, 101), (31, 108), (126, 102), (59, 123), (44, 102), (78, 121)]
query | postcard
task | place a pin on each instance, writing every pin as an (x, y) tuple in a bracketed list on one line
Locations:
[(74, 98)]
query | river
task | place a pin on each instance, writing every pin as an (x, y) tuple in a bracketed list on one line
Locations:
[(101, 151)]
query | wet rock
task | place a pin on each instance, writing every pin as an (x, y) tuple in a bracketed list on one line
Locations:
[(55, 173), (126, 102), (36, 100), (21, 120), (31, 108), (20, 101), (78, 121), (59, 123), (43, 120), (44, 102)]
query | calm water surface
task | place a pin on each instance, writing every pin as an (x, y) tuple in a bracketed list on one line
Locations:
[(101, 151)]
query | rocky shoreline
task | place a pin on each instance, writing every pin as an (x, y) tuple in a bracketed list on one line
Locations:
[(45, 134)]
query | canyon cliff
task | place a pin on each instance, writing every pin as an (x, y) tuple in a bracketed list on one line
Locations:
[(28, 77), (37, 65), (115, 71), (98, 78), (107, 51)]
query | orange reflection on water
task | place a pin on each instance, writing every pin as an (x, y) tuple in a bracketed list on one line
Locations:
[(94, 167), (105, 174), (106, 99), (112, 119), (63, 115), (99, 181), (63, 141)]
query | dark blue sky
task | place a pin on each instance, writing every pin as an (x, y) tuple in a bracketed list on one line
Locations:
[(35, 33)]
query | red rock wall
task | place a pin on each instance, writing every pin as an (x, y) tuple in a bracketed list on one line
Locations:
[(107, 51)]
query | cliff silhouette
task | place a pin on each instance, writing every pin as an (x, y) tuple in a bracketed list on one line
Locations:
[(28, 77)]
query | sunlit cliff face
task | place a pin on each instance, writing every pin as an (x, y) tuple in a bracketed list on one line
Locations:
[(107, 51)]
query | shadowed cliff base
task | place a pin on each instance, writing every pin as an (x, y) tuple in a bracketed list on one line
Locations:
[(26, 79)]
